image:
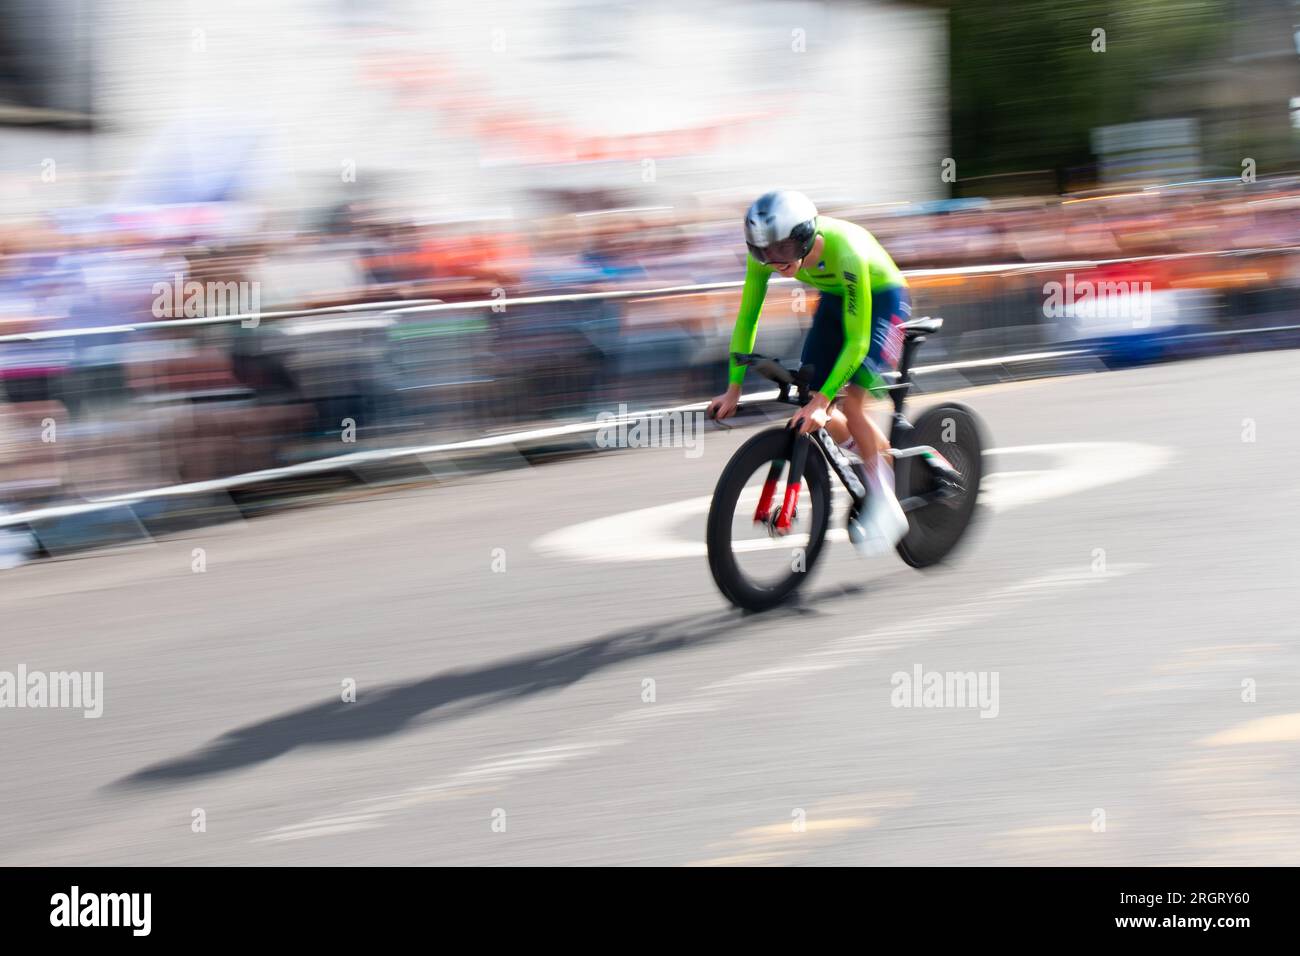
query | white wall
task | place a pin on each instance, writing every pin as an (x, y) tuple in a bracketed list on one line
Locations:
[(401, 89)]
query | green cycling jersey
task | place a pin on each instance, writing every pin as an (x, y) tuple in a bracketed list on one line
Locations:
[(852, 265)]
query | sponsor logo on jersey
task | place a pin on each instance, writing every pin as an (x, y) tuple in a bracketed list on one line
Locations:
[(850, 290)]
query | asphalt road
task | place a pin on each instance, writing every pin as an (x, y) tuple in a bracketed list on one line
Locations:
[(584, 696)]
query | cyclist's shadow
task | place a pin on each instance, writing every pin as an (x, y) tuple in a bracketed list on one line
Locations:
[(453, 694)]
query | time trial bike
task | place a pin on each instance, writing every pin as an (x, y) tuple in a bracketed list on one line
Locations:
[(771, 509)]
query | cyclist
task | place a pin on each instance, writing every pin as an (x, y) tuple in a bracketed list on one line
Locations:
[(856, 335)]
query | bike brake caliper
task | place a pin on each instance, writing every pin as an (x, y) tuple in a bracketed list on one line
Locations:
[(788, 508)]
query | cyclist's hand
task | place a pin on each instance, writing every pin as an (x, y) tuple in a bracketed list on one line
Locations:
[(724, 406), (812, 416)]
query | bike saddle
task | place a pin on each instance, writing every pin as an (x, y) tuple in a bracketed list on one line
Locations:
[(925, 325)]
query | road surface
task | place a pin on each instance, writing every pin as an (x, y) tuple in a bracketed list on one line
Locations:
[(544, 672)]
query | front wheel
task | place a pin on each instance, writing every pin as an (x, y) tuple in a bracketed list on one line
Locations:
[(934, 529), (756, 565)]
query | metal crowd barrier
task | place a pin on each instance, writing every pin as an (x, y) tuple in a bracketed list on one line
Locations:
[(130, 412)]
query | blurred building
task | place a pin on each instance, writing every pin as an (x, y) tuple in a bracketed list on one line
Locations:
[(448, 107), (1240, 95)]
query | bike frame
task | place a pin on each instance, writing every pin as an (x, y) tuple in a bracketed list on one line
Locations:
[(900, 383)]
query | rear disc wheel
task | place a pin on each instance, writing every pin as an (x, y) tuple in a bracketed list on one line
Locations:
[(934, 529)]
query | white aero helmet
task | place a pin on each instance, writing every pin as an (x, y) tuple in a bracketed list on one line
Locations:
[(780, 226)]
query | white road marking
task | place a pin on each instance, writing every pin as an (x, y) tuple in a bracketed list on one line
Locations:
[(654, 534), (1280, 728), (491, 774), (1080, 466), (484, 775)]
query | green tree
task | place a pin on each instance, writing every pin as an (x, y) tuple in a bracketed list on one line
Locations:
[(1029, 83)]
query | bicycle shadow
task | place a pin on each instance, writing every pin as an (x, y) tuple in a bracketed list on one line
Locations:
[(452, 695)]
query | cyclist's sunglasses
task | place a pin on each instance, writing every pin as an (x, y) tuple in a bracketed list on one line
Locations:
[(779, 253)]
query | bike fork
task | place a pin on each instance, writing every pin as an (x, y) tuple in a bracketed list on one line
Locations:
[(798, 458), (764, 508)]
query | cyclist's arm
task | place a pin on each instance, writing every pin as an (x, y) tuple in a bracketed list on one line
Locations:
[(857, 325), (751, 302)]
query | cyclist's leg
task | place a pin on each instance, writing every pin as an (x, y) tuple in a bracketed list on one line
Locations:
[(854, 408), (889, 309), (821, 349), (884, 523)]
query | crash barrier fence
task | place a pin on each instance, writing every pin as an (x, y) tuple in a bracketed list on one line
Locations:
[(129, 412)]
